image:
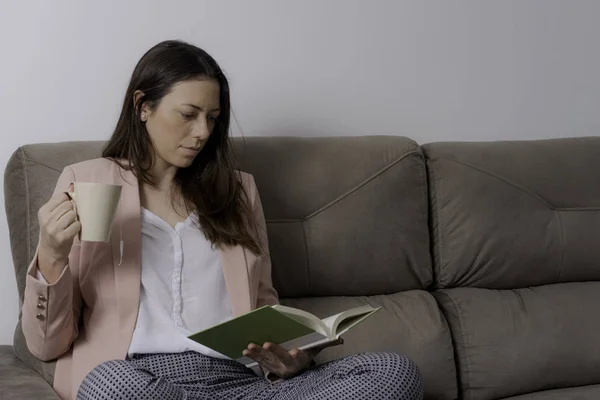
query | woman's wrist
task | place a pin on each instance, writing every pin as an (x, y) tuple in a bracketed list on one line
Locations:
[(50, 266)]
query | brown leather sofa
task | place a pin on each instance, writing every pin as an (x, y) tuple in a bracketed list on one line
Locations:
[(484, 256)]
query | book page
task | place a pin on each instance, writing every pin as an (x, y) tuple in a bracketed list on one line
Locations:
[(305, 318), (348, 323), (333, 321)]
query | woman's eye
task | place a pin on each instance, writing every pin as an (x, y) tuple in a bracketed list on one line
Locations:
[(187, 116), (213, 117)]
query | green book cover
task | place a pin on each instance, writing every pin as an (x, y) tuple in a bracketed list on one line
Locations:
[(259, 326)]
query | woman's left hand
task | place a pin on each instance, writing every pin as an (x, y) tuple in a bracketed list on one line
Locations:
[(283, 363)]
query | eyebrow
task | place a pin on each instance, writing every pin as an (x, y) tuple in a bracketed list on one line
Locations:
[(201, 109)]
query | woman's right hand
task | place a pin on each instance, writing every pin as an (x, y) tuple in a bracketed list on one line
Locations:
[(58, 227)]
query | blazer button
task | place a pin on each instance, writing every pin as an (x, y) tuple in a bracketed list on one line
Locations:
[(40, 317), (41, 298), (41, 306)]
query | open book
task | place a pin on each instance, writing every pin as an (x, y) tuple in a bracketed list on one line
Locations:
[(285, 326)]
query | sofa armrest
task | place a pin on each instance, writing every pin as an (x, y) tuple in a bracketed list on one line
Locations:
[(17, 381)]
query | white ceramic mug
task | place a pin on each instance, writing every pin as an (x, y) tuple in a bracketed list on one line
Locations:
[(96, 205)]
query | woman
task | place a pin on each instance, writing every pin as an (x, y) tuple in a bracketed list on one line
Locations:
[(189, 251)]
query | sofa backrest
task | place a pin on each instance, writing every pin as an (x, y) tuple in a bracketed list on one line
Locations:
[(525, 217), (508, 215), (346, 216)]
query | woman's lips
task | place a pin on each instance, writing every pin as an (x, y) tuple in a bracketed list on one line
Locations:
[(191, 151)]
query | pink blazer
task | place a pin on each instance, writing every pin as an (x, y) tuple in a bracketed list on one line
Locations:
[(88, 316)]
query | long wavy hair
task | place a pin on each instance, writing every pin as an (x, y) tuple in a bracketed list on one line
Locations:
[(224, 216)]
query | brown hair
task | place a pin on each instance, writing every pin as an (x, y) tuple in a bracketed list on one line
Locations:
[(224, 216)]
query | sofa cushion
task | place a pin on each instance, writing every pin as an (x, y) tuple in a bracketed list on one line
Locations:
[(346, 215), (17, 381), (410, 323), (515, 214), (511, 342), (591, 392), (44, 369)]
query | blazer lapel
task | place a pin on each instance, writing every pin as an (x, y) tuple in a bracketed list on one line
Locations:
[(127, 233), (235, 271)]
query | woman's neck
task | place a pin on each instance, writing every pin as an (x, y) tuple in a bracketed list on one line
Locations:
[(162, 199), (163, 175)]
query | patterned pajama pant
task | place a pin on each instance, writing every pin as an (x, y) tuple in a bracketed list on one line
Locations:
[(194, 376)]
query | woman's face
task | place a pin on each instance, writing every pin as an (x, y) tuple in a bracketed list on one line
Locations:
[(182, 122)]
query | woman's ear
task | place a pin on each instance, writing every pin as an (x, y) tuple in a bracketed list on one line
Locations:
[(138, 103)]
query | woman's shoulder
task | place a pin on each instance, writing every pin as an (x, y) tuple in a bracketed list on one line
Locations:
[(246, 179), (93, 164), (98, 168)]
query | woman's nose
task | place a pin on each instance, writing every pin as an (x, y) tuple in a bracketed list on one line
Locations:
[(201, 130)]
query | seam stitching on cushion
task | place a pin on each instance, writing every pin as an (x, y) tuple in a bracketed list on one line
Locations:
[(437, 295), (40, 164), (421, 166), (307, 257), (580, 209), (438, 212), (561, 236), (467, 368), (505, 180), (361, 184)]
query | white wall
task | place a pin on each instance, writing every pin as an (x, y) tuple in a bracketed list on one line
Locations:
[(432, 70)]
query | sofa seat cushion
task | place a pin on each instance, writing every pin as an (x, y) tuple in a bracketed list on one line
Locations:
[(591, 392), (512, 342), (44, 368), (17, 381), (409, 323)]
